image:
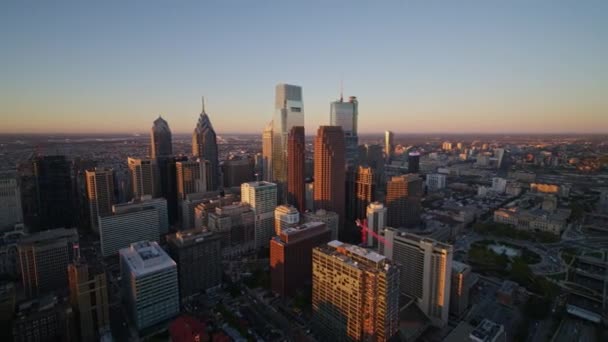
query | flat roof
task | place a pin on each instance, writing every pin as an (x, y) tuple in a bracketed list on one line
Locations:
[(146, 257), (487, 330)]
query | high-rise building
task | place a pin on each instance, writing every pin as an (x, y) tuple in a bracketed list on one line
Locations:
[(10, 200), (262, 197), (289, 112), (345, 115), (160, 139), (150, 285), (389, 145), (459, 293), (100, 194), (144, 177), (360, 191), (330, 170), (89, 300), (235, 225), (199, 260), (413, 162), (403, 196), (204, 146), (377, 217), (330, 218), (160, 204), (446, 146), (371, 155), (435, 181), (236, 171), (44, 259), (168, 183), (426, 271), (29, 194), (54, 193), (267, 147), (285, 216), (355, 293), (43, 319), (131, 222), (296, 156), (191, 177), (291, 256)]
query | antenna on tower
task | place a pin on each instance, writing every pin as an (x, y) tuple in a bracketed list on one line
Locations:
[(203, 100), (341, 89)]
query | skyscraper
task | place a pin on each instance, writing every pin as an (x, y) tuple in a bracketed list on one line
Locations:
[(289, 112), (267, 147), (329, 169), (262, 197), (426, 271), (10, 200), (204, 146), (168, 183), (285, 216), (355, 294), (413, 162), (191, 177), (376, 222), (296, 156), (461, 283), (360, 191), (160, 139), (403, 196), (237, 171), (389, 145), (345, 115), (144, 177), (100, 194), (235, 225), (54, 193)]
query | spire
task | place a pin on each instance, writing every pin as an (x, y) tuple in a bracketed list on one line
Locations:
[(341, 89), (203, 100)]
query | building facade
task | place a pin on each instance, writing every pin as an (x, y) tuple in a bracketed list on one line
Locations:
[(235, 225), (285, 216), (345, 115), (100, 194), (461, 284), (267, 146), (403, 196), (296, 156), (435, 181), (330, 218), (262, 197), (128, 225), (53, 192), (377, 216), (161, 143), (11, 212), (144, 177)]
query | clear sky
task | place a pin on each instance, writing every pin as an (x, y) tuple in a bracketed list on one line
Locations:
[(416, 66)]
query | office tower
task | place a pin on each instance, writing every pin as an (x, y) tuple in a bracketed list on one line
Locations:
[(191, 177), (144, 177), (345, 115), (10, 201), (237, 171), (461, 283), (360, 191), (196, 207), (160, 204), (285, 216), (43, 319), (199, 260), (499, 154), (29, 194), (150, 285), (54, 194), (377, 216), (130, 223), (365, 304), (426, 271), (289, 112), (296, 156), (235, 225), (43, 260), (204, 146), (168, 183), (371, 155), (330, 172), (403, 196), (161, 144), (100, 194), (291, 256), (267, 146), (389, 145), (413, 162), (330, 218), (435, 181), (89, 300), (262, 197), (79, 189)]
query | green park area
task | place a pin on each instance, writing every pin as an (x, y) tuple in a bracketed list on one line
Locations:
[(508, 231)]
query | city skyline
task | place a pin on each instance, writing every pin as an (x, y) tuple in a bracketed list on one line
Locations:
[(470, 67)]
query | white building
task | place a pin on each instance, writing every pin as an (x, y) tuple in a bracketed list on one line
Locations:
[(149, 278), (118, 230), (344, 114), (499, 185), (289, 112), (11, 212), (435, 181), (147, 201), (262, 197), (285, 216), (377, 216)]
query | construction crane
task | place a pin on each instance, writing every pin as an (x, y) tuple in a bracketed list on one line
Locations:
[(364, 231)]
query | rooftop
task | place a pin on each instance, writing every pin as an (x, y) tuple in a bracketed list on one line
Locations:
[(190, 236), (359, 251), (459, 267), (146, 257), (487, 331)]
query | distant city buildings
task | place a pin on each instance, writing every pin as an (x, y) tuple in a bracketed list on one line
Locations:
[(262, 197), (389, 145), (11, 211), (435, 181), (267, 146)]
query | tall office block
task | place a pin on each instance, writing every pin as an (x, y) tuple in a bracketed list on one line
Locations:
[(236, 171), (403, 196), (296, 156), (377, 216), (191, 177), (345, 115), (10, 201), (29, 194), (426, 271), (128, 224), (204, 146), (267, 147), (289, 112), (235, 225), (329, 173), (100, 194), (144, 177), (459, 293), (161, 144), (44, 258), (150, 285), (43, 319), (413, 162), (285, 216), (360, 191), (262, 197), (355, 294), (389, 145), (199, 260), (160, 204), (330, 219), (291, 256), (371, 155), (54, 193), (168, 183), (89, 300)]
